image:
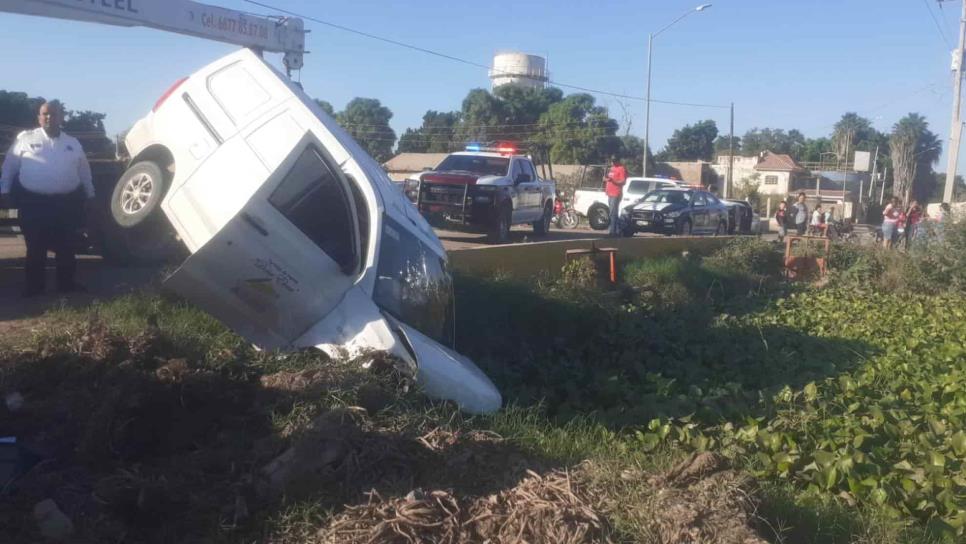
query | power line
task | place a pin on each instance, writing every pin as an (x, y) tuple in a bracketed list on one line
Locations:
[(939, 27), (470, 62)]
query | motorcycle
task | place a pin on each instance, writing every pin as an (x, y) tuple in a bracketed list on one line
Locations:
[(841, 230), (564, 215)]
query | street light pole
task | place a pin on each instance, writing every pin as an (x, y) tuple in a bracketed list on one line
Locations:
[(647, 100), (647, 104)]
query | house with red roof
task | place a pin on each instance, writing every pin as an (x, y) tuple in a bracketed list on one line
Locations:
[(775, 173)]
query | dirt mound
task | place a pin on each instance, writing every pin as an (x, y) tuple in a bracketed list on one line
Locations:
[(702, 501), (548, 508)]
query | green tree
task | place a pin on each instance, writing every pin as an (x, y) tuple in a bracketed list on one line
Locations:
[(484, 117), (436, 135), (914, 149), (814, 148), (577, 131), (851, 130), (692, 142), (722, 145), (522, 107), (326, 107), (367, 120), (775, 140), (88, 127), (632, 155)]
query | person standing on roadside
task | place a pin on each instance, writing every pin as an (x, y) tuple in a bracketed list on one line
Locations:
[(801, 214), (615, 180), (49, 179), (939, 221), (890, 222), (913, 219), (781, 217), (817, 226)]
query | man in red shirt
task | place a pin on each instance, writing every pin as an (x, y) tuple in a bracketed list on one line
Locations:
[(615, 180)]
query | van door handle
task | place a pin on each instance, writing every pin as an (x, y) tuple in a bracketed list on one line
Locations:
[(255, 224)]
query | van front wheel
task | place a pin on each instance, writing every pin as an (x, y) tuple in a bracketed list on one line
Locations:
[(137, 194)]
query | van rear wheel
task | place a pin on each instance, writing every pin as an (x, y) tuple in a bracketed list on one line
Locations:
[(599, 217), (137, 195)]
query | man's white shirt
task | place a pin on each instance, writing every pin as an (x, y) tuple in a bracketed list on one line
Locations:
[(45, 165)]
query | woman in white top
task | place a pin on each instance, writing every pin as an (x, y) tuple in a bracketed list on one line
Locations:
[(818, 221)]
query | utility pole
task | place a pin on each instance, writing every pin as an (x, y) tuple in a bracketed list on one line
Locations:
[(956, 127), (731, 155)]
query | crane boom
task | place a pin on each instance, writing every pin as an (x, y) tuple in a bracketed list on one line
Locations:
[(282, 35)]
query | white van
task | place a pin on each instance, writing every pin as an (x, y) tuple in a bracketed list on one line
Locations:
[(297, 237)]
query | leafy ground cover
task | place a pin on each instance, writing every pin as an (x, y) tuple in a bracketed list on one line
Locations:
[(797, 414)]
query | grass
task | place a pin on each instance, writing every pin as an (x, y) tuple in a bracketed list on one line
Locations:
[(684, 347)]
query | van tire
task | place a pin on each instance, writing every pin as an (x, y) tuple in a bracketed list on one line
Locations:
[(137, 194), (599, 217)]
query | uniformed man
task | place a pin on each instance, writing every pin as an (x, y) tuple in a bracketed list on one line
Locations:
[(48, 178)]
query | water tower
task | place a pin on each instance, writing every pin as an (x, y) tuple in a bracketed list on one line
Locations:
[(521, 69)]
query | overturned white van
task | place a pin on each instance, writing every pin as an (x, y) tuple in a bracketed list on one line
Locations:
[(297, 236)]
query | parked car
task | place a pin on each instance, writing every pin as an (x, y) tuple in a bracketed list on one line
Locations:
[(740, 214), (591, 201), (297, 237), (676, 211), (487, 189)]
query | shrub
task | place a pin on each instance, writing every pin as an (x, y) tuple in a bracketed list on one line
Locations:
[(936, 263), (746, 256)]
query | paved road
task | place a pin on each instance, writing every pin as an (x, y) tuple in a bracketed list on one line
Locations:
[(105, 281)]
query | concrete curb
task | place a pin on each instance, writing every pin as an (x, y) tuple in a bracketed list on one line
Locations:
[(533, 259)]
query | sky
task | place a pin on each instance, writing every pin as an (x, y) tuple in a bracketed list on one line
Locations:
[(783, 63)]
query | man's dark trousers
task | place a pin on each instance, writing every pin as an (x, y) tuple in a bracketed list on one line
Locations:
[(614, 206), (49, 222)]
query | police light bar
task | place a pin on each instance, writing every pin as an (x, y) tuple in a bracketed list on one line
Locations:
[(504, 148)]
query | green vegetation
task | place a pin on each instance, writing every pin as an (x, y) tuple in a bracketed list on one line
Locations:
[(843, 398), (846, 403)]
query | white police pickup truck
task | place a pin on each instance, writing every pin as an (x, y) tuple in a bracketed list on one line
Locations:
[(297, 236), (485, 188), (591, 201)]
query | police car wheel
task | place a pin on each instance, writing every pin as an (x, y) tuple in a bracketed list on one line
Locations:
[(543, 225), (137, 194), (685, 228), (500, 230)]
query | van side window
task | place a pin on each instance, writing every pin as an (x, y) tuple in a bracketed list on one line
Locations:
[(362, 210), (237, 92), (637, 187), (315, 200)]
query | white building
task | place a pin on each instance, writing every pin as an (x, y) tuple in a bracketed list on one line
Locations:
[(774, 173)]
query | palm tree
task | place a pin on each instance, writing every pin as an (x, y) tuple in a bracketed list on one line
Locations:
[(849, 130), (914, 148)]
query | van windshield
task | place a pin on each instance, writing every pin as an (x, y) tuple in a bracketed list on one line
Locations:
[(414, 285), (476, 164), (668, 197)]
